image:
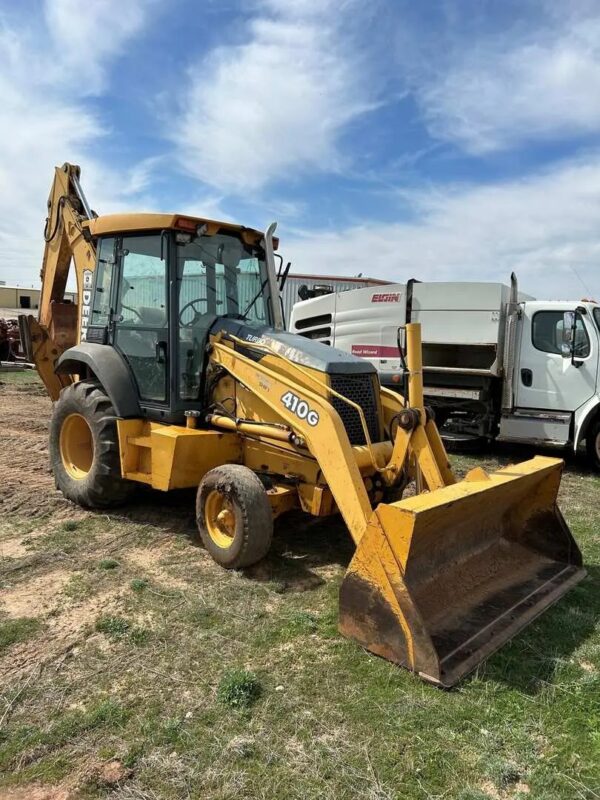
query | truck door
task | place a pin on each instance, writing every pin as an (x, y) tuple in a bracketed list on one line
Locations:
[(546, 379)]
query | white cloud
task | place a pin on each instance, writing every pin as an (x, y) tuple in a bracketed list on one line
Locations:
[(501, 92), (543, 227), (209, 207), (46, 69), (85, 37), (274, 105)]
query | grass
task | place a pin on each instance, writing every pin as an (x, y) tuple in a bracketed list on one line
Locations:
[(24, 377), (113, 627), (66, 537), (139, 584), (224, 685), (70, 525), (108, 563), (17, 630), (299, 623), (238, 689), (79, 586), (40, 742)]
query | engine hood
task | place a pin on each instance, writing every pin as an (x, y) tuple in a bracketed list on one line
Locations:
[(297, 349)]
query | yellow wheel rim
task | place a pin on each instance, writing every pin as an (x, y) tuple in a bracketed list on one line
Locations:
[(220, 519), (76, 446)]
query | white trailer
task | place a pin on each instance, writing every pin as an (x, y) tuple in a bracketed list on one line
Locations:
[(497, 364)]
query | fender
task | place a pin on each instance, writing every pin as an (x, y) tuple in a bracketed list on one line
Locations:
[(582, 419), (109, 368)]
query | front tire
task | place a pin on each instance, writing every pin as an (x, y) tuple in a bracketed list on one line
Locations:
[(234, 516), (592, 442), (84, 447)]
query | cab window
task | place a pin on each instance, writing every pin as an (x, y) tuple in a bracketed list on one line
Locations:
[(143, 295), (141, 332), (547, 333), (104, 277)]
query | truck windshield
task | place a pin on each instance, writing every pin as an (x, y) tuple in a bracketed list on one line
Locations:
[(597, 316), (220, 275)]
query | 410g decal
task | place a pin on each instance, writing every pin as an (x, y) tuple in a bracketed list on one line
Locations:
[(300, 408)]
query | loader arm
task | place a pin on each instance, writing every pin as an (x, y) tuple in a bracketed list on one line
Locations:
[(324, 434), (60, 323), (326, 439)]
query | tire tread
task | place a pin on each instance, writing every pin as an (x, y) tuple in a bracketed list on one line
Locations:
[(249, 495), (103, 487)]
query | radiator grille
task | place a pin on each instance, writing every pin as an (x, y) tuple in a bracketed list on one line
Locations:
[(361, 390)]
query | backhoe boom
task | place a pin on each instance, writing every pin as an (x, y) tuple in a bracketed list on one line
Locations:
[(61, 324)]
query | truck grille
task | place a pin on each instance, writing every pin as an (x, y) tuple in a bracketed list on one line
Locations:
[(361, 390)]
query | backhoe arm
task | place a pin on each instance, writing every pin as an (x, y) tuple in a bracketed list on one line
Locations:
[(61, 324)]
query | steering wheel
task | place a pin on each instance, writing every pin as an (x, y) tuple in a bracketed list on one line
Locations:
[(134, 310), (191, 304)]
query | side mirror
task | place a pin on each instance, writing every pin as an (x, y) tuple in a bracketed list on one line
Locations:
[(568, 334), (401, 340)]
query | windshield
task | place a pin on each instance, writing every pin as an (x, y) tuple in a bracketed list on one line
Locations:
[(217, 276), (597, 316), (220, 275)]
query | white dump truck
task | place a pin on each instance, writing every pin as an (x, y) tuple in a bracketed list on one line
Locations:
[(497, 363)]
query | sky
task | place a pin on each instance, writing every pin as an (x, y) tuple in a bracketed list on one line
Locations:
[(438, 140)]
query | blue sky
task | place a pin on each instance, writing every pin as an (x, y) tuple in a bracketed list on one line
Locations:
[(449, 140)]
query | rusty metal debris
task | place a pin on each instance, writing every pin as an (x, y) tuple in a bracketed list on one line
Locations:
[(10, 340)]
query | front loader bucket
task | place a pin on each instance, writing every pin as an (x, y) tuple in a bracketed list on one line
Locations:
[(441, 580)]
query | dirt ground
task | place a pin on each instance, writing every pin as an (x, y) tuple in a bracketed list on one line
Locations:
[(118, 634), (24, 477), (36, 586)]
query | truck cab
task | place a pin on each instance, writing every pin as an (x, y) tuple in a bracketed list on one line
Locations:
[(555, 395)]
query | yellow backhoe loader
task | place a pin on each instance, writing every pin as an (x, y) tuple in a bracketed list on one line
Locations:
[(173, 370)]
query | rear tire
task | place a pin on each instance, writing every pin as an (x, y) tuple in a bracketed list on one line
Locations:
[(234, 516), (84, 448), (592, 442)]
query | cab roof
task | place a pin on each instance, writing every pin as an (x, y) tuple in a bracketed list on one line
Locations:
[(127, 223), (559, 305)]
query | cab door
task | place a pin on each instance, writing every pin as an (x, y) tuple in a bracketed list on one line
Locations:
[(140, 331), (547, 379)]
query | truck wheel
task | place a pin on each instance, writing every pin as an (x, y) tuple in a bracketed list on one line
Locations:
[(234, 516), (84, 447), (592, 441)]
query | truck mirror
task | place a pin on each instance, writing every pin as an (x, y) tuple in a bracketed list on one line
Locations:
[(402, 339), (566, 347)]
